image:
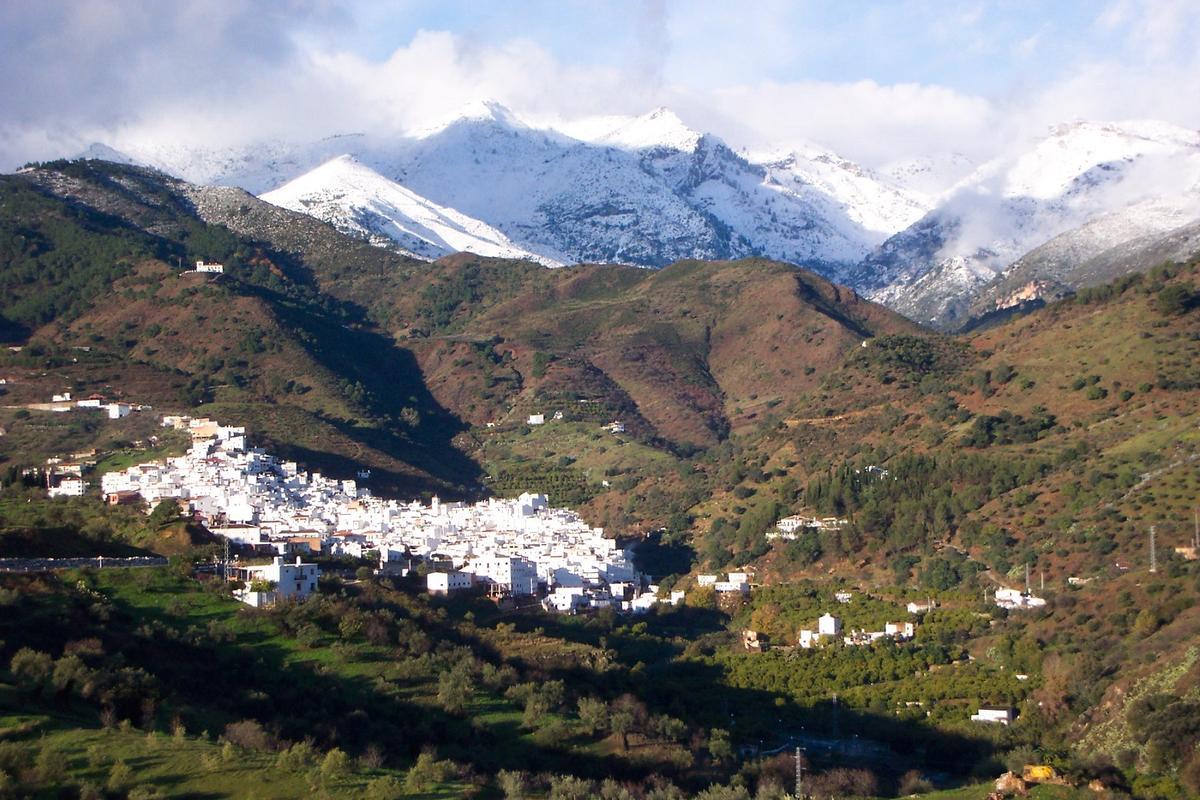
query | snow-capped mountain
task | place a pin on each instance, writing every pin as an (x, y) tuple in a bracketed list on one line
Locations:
[(360, 201), (925, 235), (1144, 175), (1138, 237), (644, 190)]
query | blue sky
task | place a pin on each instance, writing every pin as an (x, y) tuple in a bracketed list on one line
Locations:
[(877, 81), (980, 47)]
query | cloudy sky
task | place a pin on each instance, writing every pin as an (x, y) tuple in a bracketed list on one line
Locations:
[(874, 81)]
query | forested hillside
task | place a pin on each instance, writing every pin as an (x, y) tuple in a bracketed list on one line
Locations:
[(1040, 449)]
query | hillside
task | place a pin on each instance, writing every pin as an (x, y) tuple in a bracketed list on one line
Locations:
[(747, 390), (260, 341), (1084, 188), (387, 359), (1083, 258)]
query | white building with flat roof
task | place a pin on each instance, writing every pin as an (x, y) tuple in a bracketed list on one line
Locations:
[(443, 583), (68, 487), (512, 574), (995, 714), (287, 581)]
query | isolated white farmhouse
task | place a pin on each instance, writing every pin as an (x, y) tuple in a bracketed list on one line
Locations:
[(288, 581), (1004, 716)]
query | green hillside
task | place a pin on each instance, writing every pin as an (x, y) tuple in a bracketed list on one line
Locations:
[(1044, 446)]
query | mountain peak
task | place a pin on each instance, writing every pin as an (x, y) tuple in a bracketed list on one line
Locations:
[(359, 201), (103, 152), (661, 127), (475, 111)]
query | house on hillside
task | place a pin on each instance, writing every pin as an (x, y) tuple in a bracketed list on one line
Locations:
[(118, 410), (1014, 599), (444, 583), (67, 487), (828, 627), (514, 575), (267, 584), (995, 714)]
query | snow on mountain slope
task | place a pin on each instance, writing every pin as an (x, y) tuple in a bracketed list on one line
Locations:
[(773, 212), (1095, 253), (928, 176), (644, 190), (256, 167), (925, 235), (660, 129), (1009, 206), (357, 200), (865, 197), (103, 152), (550, 193)]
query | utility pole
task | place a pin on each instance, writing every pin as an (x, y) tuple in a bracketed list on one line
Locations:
[(799, 774), (1026, 577), (1196, 529), (1153, 550), (1042, 579)]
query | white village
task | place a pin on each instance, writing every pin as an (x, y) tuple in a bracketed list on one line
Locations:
[(519, 548)]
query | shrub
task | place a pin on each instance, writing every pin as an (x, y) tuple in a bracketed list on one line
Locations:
[(593, 714), (32, 669), (119, 777), (335, 765), (249, 734), (913, 782), (385, 788), (514, 784), (49, 765), (297, 757), (426, 772), (1176, 299), (568, 787), (145, 793)]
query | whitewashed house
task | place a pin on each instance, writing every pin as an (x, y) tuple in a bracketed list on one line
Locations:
[(288, 581), (1015, 599), (513, 574), (118, 410), (994, 714), (900, 631), (829, 625), (67, 487), (444, 583)]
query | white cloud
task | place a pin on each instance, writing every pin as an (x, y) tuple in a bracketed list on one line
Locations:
[(231, 72)]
